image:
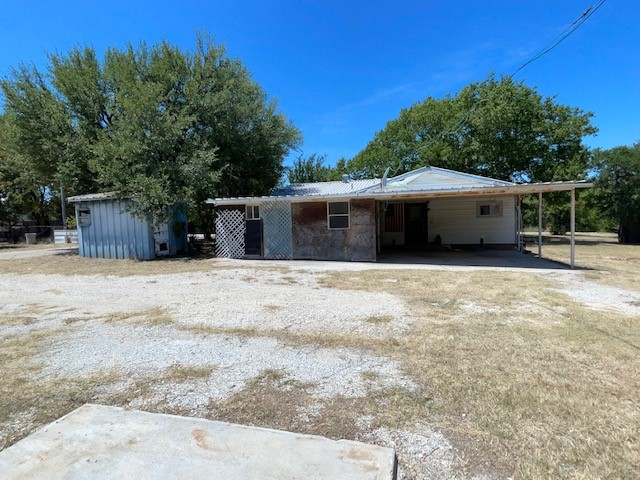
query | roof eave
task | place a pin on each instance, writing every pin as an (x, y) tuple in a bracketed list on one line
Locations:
[(516, 189)]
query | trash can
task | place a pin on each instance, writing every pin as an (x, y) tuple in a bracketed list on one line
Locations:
[(31, 238)]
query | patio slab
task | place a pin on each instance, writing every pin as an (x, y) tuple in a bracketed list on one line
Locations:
[(100, 442)]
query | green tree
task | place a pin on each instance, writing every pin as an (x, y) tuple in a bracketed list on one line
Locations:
[(497, 128), (153, 123), (22, 192), (309, 169), (617, 191)]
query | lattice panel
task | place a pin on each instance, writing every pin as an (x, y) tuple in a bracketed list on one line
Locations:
[(230, 228), (276, 221)]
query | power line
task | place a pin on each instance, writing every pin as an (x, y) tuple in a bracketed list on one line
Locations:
[(560, 38), (546, 49)]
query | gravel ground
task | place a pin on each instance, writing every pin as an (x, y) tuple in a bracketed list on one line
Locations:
[(253, 298), (97, 347)]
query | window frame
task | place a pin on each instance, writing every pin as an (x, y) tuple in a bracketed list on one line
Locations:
[(492, 210), (331, 215), (251, 208), (84, 216)]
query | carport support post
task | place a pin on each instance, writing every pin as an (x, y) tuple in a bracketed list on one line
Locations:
[(573, 227), (539, 224)]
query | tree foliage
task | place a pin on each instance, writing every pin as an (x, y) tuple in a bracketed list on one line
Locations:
[(154, 123), (497, 128), (309, 169), (617, 192), (21, 191)]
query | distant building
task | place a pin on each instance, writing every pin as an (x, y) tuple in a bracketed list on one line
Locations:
[(106, 229)]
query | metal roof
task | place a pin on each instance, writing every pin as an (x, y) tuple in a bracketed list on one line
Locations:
[(424, 182), (434, 179), (91, 197), (325, 188)]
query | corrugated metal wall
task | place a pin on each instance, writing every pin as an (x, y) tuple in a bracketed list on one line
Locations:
[(455, 220), (114, 232)]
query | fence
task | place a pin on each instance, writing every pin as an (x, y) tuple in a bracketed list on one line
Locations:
[(44, 233)]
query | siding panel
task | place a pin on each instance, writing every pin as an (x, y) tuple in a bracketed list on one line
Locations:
[(455, 220)]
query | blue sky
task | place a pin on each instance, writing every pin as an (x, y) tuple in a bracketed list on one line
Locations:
[(341, 70)]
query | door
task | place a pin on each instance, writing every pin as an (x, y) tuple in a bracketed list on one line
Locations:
[(416, 227), (161, 239), (253, 232)]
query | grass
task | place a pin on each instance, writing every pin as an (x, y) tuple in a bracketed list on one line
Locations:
[(10, 320), (608, 261), (72, 264), (28, 402), (524, 382), (528, 392), (156, 316), (375, 319)]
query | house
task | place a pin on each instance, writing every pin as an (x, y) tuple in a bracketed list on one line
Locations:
[(359, 219), (107, 229)]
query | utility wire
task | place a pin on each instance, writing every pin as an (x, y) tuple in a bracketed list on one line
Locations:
[(546, 49)]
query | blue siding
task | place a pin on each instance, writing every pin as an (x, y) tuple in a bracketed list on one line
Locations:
[(114, 232)]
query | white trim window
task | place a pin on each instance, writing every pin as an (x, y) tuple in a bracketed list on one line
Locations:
[(488, 209), (338, 215), (252, 212)]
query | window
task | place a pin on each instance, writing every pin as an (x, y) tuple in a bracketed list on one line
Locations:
[(489, 209), (84, 217), (338, 215), (253, 212)]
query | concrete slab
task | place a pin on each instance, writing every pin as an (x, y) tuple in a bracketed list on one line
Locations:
[(100, 442)]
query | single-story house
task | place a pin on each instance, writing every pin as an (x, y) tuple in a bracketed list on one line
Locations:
[(107, 229), (358, 219)]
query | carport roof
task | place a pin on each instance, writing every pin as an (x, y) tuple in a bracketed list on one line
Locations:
[(425, 182)]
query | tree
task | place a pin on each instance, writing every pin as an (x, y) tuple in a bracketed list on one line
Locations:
[(617, 189), (496, 128), (309, 169), (153, 123), (21, 190)]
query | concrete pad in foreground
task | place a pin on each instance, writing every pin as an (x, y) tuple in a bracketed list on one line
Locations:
[(100, 442)]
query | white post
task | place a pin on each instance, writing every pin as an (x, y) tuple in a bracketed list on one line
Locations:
[(573, 227), (540, 225)]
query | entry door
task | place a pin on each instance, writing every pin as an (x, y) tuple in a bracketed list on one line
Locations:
[(253, 231), (415, 224), (253, 238)]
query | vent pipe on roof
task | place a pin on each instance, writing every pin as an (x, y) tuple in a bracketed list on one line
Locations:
[(383, 182), (345, 178)]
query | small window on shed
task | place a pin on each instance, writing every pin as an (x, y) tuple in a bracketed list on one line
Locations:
[(84, 217), (489, 209), (253, 212), (338, 215)]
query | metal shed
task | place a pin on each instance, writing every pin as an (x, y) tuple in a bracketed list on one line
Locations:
[(107, 229)]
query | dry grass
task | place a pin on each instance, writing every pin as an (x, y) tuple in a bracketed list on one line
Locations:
[(293, 339), (607, 261), (269, 400), (182, 373), (522, 380), (273, 308), (375, 319), (156, 316), (27, 403), (547, 390), (10, 320), (72, 264)]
